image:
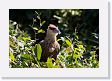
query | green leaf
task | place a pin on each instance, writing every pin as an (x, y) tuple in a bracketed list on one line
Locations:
[(69, 49), (35, 28), (93, 52), (49, 63), (58, 39), (41, 31), (80, 46), (12, 56), (26, 39), (68, 42), (79, 55), (43, 23), (27, 56), (38, 51)]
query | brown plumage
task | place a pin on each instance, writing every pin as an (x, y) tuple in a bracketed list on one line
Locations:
[(50, 47)]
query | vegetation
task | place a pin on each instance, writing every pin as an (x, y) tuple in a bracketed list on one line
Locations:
[(79, 38)]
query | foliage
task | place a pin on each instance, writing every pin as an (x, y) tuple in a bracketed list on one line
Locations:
[(79, 39)]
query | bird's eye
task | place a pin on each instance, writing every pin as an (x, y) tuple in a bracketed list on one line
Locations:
[(52, 28)]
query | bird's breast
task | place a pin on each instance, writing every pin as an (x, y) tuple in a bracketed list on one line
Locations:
[(49, 49), (51, 46)]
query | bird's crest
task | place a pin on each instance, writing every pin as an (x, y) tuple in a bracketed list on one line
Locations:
[(52, 27)]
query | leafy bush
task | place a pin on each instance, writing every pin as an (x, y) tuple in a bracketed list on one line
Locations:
[(79, 48)]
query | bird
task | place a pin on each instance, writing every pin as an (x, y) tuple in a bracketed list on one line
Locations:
[(50, 46)]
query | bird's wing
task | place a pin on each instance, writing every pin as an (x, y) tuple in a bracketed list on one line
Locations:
[(49, 50), (56, 51), (45, 50)]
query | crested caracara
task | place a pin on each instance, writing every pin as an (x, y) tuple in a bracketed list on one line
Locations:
[(50, 46)]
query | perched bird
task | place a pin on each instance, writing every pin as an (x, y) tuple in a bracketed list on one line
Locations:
[(50, 46)]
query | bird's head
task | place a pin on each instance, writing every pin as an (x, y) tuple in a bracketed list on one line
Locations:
[(53, 30)]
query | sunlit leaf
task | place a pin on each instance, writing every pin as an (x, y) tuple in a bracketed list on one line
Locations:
[(49, 63), (26, 39), (92, 52), (58, 39), (68, 42), (79, 55), (80, 46), (41, 31), (43, 23), (38, 51), (35, 28), (12, 56), (69, 49), (27, 56), (62, 38)]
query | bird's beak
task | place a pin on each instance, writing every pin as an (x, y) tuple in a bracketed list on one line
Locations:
[(58, 31)]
